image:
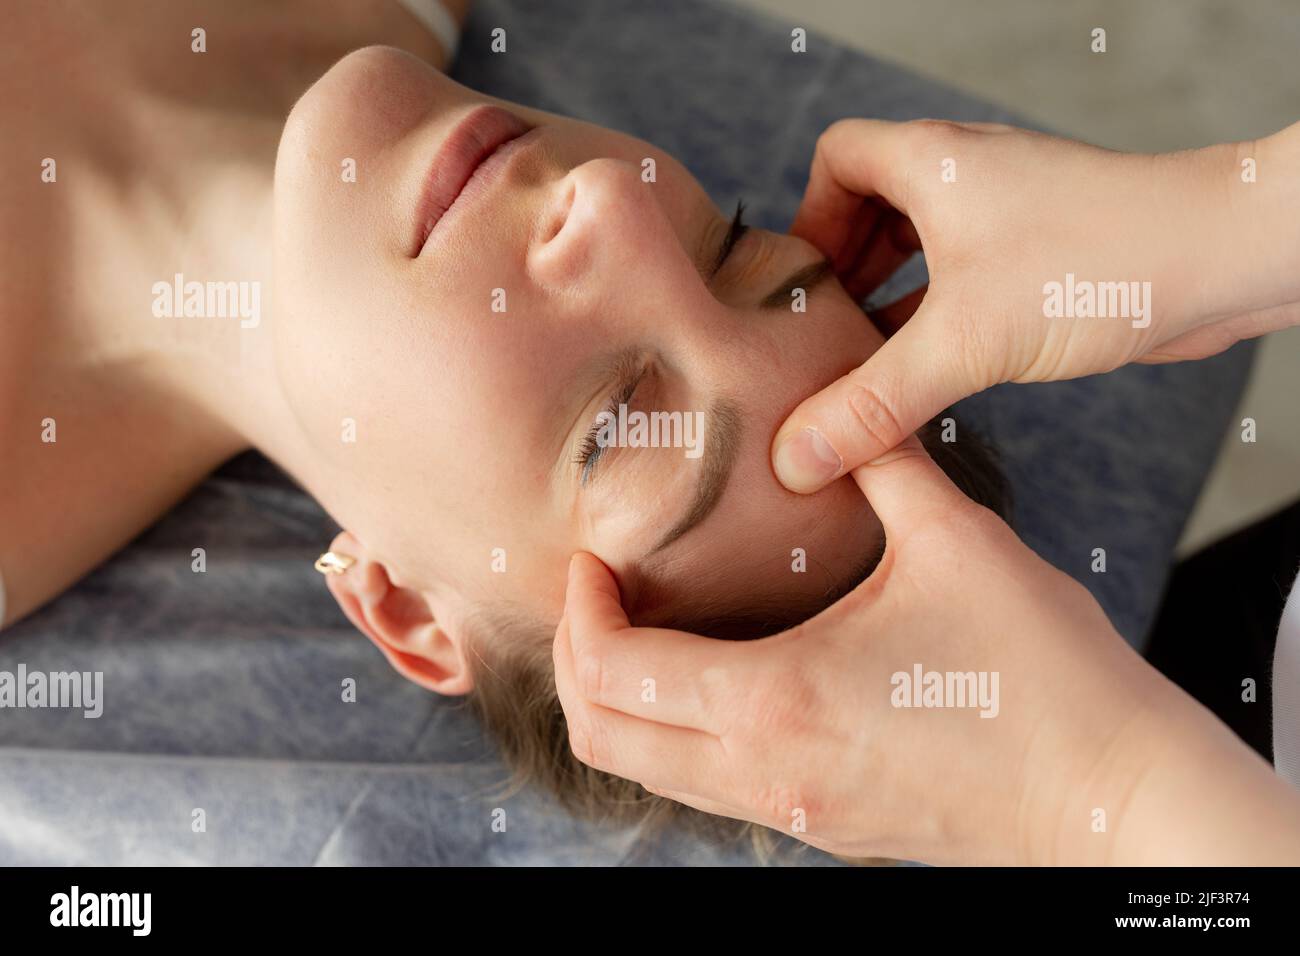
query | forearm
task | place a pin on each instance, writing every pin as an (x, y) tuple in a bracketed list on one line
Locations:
[(1178, 788), (1238, 251), (1215, 807)]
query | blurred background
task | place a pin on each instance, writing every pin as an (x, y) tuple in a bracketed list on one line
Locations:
[(1175, 74)]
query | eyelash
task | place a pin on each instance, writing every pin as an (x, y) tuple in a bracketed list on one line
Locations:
[(590, 449), (735, 233)]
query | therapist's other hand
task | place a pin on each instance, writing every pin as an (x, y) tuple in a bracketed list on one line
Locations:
[(801, 729), (1001, 213)]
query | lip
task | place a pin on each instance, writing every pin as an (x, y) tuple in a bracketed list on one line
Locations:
[(464, 163)]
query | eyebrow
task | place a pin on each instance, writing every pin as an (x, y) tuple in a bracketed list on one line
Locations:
[(807, 277), (723, 429)]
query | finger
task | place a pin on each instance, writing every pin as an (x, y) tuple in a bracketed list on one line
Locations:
[(656, 674), (890, 247), (675, 758), (717, 808), (906, 488), (854, 158), (890, 318), (735, 813), (864, 233), (912, 377)]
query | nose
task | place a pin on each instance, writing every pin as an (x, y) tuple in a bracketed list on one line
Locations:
[(602, 226)]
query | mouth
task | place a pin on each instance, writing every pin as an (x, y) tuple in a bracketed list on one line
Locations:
[(465, 164)]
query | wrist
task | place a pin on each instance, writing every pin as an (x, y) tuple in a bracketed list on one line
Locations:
[(1241, 253), (1089, 747), (1173, 786)]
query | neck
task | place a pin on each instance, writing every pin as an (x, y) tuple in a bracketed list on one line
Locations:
[(222, 363), (184, 186), (202, 212)]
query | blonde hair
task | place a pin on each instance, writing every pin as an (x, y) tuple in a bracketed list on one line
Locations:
[(515, 699)]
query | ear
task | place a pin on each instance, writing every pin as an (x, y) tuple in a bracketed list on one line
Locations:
[(400, 622)]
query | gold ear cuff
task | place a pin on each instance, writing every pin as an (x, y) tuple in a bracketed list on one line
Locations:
[(331, 562)]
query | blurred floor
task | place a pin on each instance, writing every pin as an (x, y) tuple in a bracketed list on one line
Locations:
[(1176, 73)]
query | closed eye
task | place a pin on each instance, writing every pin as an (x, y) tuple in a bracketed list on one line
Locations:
[(735, 233), (807, 277), (593, 444)]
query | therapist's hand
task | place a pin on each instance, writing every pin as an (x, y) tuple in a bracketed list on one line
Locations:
[(800, 728), (1088, 755), (1001, 213)]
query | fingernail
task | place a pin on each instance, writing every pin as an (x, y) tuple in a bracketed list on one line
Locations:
[(806, 461)]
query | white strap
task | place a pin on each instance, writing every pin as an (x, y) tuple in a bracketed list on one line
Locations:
[(439, 22)]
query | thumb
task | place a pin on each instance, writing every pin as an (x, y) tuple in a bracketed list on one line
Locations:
[(912, 378), (905, 487), (592, 603)]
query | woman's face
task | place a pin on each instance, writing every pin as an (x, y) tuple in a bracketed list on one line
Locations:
[(474, 364)]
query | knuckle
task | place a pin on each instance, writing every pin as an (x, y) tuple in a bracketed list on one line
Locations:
[(873, 416), (591, 744), (936, 133), (598, 749), (591, 677), (841, 127), (824, 145), (782, 703), (580, 743), (718, 691), (779, 805)]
